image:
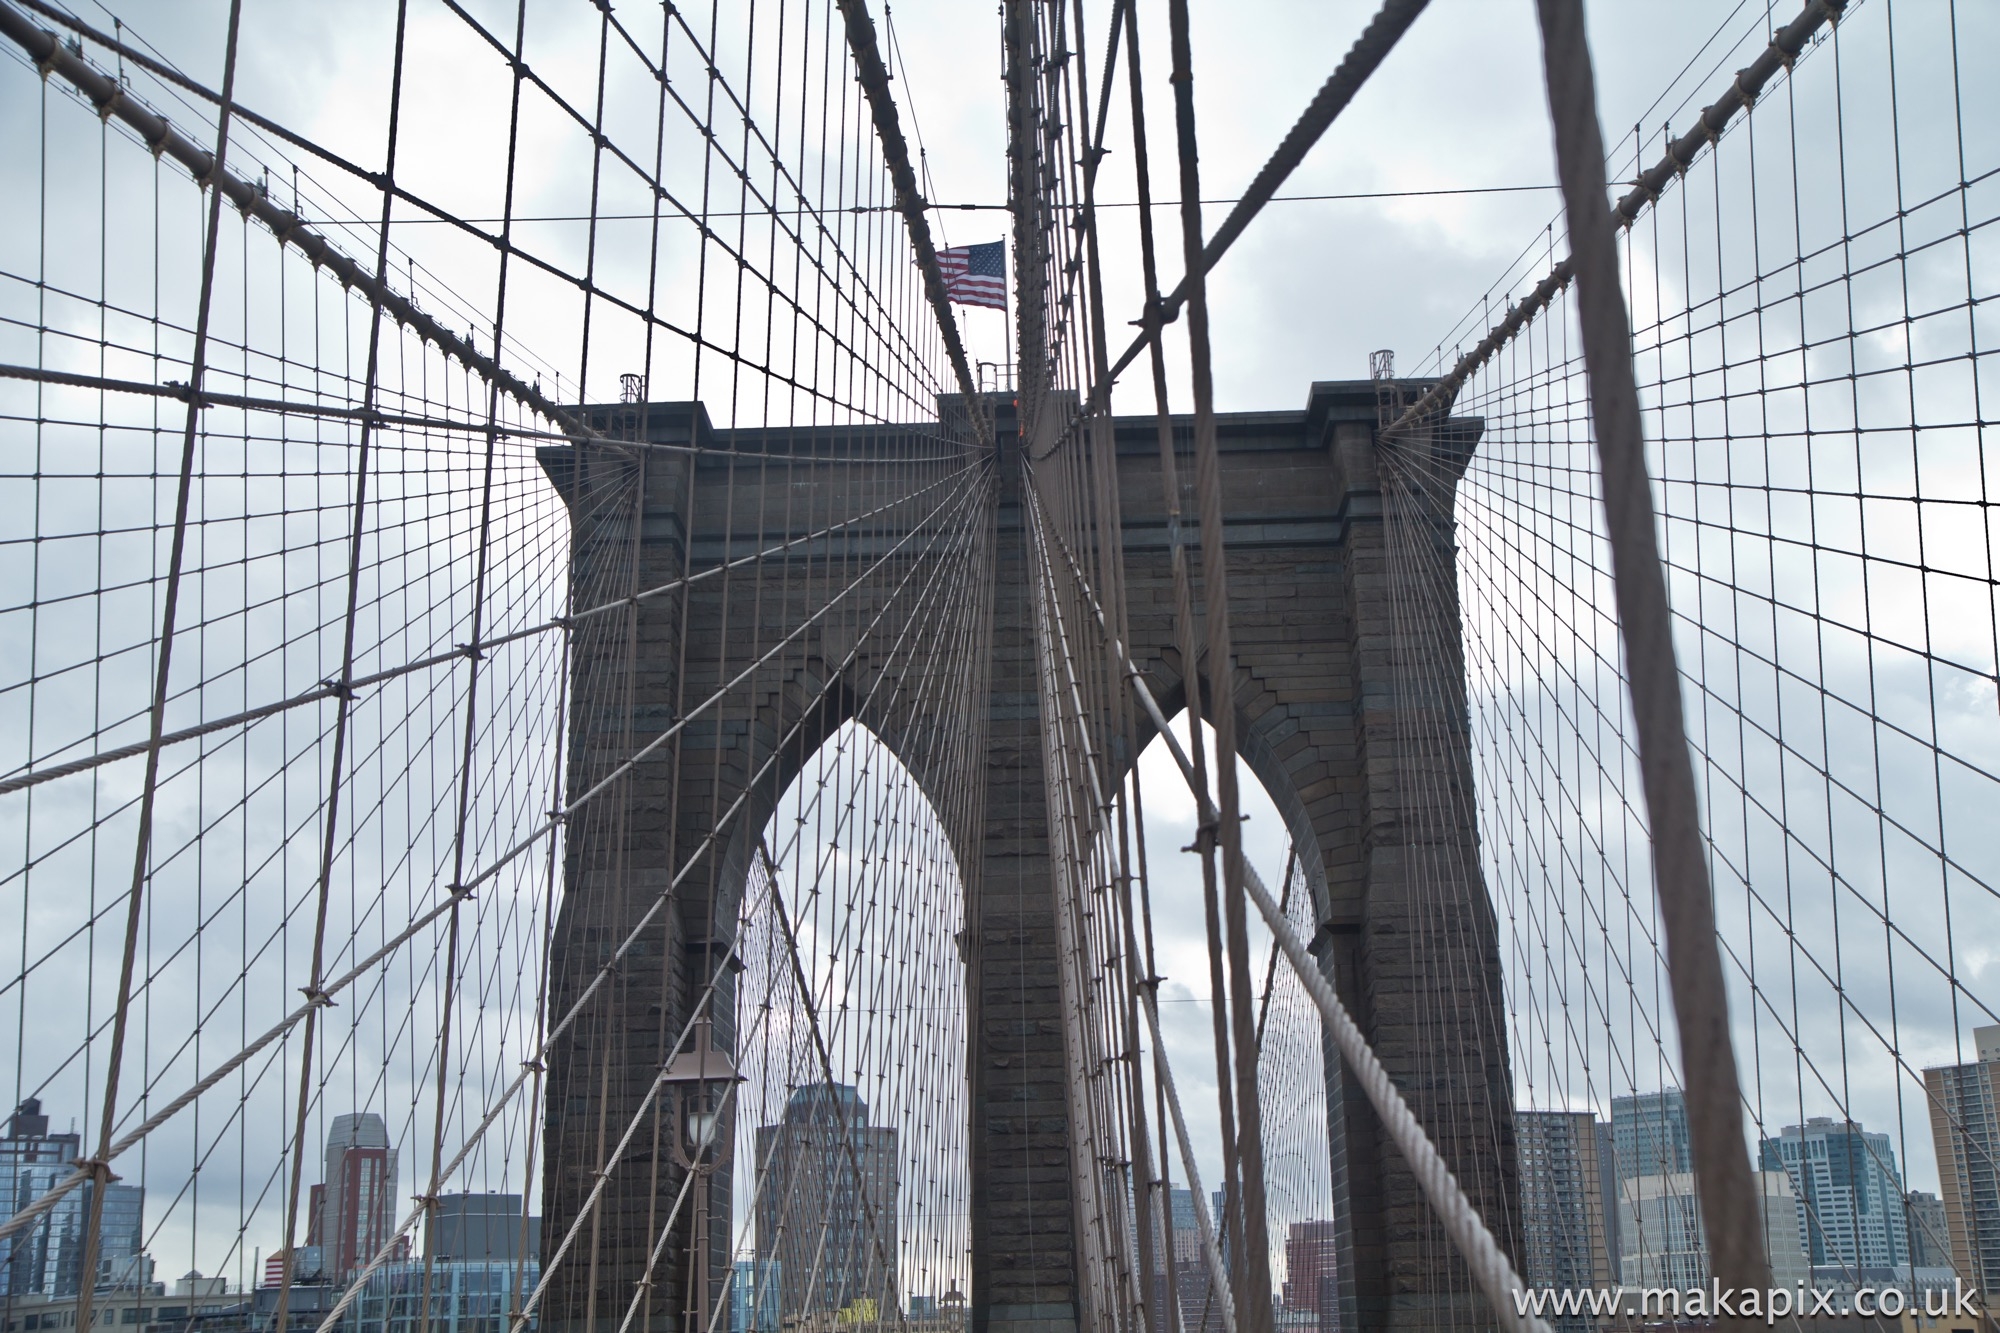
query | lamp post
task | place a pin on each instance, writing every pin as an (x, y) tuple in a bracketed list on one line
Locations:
[(700, 1078)]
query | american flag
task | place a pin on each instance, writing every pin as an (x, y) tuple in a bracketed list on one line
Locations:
[(976, 274)]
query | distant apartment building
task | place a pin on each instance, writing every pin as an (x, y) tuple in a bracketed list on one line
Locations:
[(1850, 1195), (1568, 1208), (1965, 1130), (358, 1203), (1649, 1134), (1666, 1245)]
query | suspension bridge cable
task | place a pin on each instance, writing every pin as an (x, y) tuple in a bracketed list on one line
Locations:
[(1784, 49)]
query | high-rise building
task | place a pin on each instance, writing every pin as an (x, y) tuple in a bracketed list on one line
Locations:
[(1312, 1275), (1565, 1232), (1965, 1129), (47, 1258), (827, 1213), (1666, 1244), (1930, 1233), (1850, 1196), (358, 1204), (1649, 1134)]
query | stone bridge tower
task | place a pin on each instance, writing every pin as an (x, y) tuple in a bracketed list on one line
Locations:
[(1405, 928)]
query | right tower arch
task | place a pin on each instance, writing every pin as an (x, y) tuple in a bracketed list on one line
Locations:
[(1367, 762)]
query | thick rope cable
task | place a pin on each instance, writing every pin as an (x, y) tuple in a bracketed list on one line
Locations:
[(1729, 1201)]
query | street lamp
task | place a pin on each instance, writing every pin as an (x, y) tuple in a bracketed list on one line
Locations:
[(699, 1080)]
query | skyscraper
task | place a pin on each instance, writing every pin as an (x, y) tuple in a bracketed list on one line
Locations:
[(1649, 1134), (1565, 1233), (1850, 1196), (1965, 1128), (827, 1213), (358, 1204)]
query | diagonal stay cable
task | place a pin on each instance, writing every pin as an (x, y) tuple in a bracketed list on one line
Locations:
[(334, 689), (26, 1216)]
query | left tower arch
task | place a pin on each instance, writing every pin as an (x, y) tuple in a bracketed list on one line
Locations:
[(762, 588)]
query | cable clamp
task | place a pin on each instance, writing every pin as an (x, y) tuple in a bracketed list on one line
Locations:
[(338, 689), (471, 652), (47, 64), (428, 1202), (460, 892), (1749, 95), (534, 1067), (110, 105), (99, 1169), (316, 997)]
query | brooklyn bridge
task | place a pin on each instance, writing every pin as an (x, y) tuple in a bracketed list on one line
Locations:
[(602, 730)]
